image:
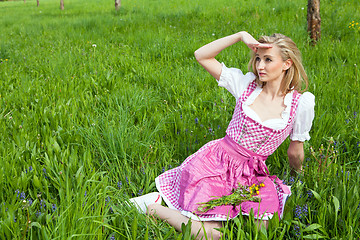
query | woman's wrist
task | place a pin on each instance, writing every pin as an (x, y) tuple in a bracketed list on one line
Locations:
[(241, 35)]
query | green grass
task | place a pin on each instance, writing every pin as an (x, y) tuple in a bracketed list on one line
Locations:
[(84, 128)]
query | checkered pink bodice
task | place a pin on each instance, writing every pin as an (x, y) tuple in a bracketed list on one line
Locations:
[(253, 135)]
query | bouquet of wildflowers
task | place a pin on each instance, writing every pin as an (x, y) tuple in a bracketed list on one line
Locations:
[(238, 195)]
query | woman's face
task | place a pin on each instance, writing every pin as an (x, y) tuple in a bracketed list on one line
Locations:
[(269, 64)]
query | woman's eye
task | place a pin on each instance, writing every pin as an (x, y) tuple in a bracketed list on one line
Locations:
[(268, 59), (257, 59)]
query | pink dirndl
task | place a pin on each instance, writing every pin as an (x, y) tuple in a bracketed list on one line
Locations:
[(217, 168)]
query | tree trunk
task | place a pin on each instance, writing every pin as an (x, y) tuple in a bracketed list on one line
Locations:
[(314, 20), (62, 4), (37, 2), (117, 4)]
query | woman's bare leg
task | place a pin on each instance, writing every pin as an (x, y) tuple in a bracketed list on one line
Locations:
[(176, 219), (263, 223)]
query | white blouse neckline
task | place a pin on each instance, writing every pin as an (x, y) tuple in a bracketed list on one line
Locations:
[(274, 123)]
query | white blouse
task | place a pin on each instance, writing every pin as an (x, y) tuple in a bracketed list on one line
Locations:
[(236, 82)]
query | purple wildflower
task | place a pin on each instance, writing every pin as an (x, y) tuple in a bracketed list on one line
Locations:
[(305, 210), (119, 184), (196, 120), (298, 211), (140, 192), (22, 196), (310, 194), (54, 207), (297, 230)]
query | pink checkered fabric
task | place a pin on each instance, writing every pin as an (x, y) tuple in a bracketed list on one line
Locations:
[(168, 182), (254, 136)]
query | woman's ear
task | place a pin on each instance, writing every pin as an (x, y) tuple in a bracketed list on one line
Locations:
[(287, 64)]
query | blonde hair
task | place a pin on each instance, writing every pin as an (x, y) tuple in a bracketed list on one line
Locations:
[(295, 76)]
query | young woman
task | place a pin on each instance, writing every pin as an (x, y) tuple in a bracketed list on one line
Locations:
[(268, 109)]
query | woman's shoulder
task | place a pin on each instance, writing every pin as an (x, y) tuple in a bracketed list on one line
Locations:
[(231, 72), (306, 103), (307, 100), (234, 80)]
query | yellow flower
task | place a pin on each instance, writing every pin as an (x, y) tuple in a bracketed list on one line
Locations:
[(257, 188), (257, 193), (357, 23), (262, 185)]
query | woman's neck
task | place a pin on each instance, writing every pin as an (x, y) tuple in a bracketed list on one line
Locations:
[(272, 90)]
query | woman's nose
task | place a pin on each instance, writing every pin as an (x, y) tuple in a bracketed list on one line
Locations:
[(261, 64)]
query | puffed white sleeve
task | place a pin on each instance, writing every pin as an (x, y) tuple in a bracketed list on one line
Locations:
[(304, 118), (234, 80)]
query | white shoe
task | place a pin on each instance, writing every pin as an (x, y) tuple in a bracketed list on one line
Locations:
[(143, 201)]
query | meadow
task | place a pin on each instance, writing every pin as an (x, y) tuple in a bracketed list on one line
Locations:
[(94, 104)]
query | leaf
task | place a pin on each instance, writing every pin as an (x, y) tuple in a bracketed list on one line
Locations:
[(134, 228), (312, 227), (336, 203), (263, 232), (36, 182), (313, 236), (56, 146), (316, 195), (35, 224), (146, 236)]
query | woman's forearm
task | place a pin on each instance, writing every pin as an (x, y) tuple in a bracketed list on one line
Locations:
[(212, 49), (296, 155)]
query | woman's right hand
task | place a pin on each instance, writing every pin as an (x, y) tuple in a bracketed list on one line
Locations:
[(252, 43)]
